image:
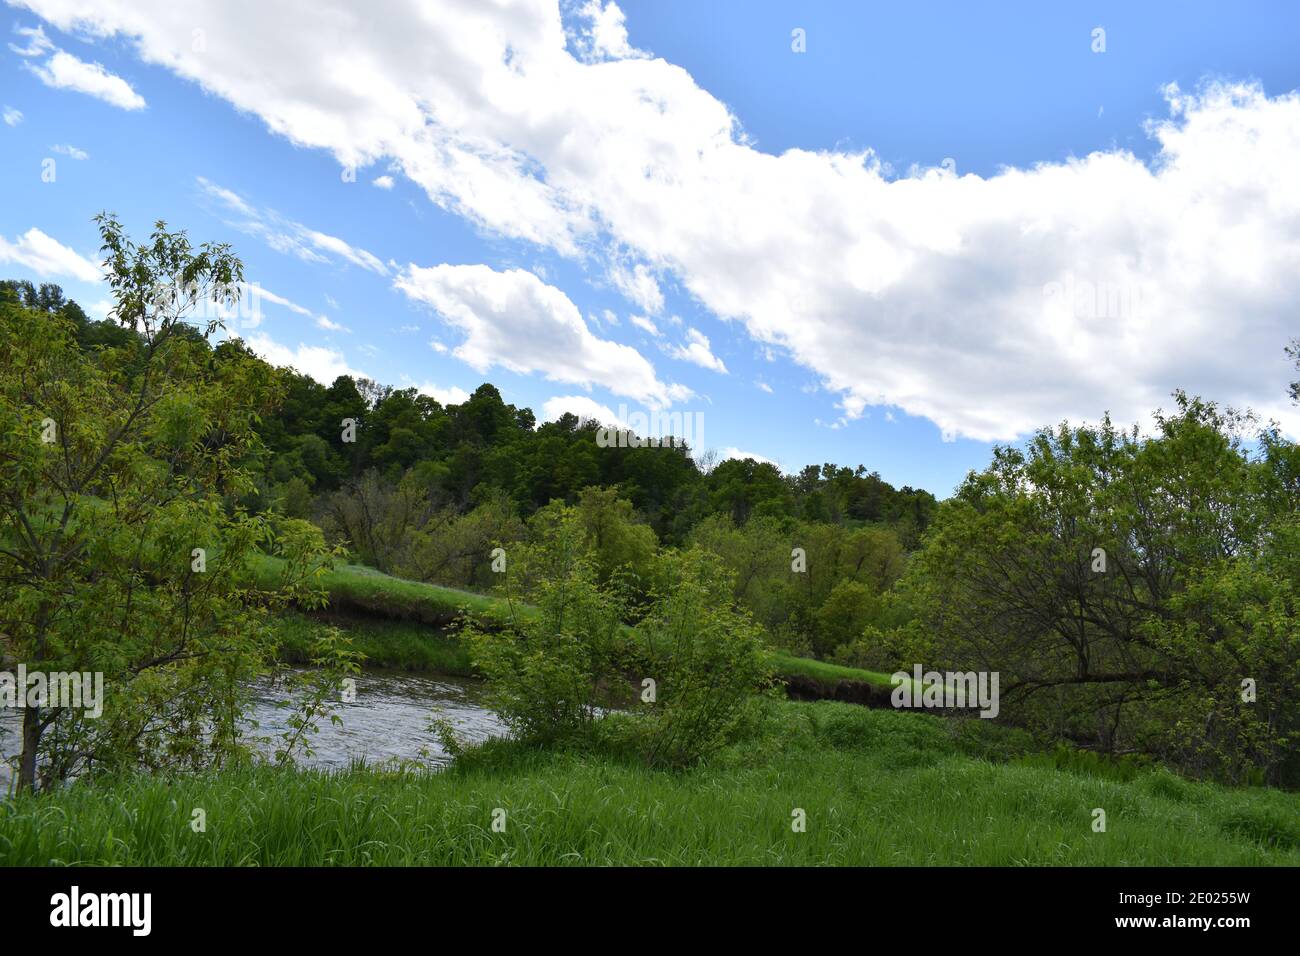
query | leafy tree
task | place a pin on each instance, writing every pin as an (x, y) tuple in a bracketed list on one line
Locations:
[(451, 548), (1125, 587), (115, 466), (617, 540)]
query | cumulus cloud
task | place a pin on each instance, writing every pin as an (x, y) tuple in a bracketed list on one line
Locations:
[(451, 395), (383, 182), (321, 363), (585, 408), (697, 351), (47, 257), (601, 33), (729, 453), (516, 321), (989, 305)]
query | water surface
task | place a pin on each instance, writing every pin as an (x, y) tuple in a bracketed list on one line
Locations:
[(388, 720)]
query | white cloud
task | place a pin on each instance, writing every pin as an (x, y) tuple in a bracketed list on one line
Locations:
[(451, 395), (63, 71), (639, 285), (38, 44), (285, 235), (604, 35), (383, 182), (251, 317), (516, 321), (257, 294), (228, 197), (733, 452), (645, 325), (66, 72), (697, 351), (321, 363), (925, 293), (340, 248), (764, 387), (70, 151), (329, 325), (12, 116), (587, 409), (47, 257)]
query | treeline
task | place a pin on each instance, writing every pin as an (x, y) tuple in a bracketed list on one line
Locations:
[(461, 456)]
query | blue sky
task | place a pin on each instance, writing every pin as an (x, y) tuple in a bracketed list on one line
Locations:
[(811, 278)]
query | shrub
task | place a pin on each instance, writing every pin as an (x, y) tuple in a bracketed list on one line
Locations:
[(550, 671), (706, 657)]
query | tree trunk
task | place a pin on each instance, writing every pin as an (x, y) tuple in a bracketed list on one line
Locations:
[(31, 740)]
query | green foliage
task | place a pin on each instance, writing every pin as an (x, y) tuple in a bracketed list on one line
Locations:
[(707, 660), (455, 548), (550, 670), (115, 466), (822, 608), (390, 619), (1198, 593), (554, 666)]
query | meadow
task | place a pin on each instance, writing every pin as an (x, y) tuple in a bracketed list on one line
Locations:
[(877, 788)]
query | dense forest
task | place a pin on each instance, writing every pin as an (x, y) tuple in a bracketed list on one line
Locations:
[(1138, 593)]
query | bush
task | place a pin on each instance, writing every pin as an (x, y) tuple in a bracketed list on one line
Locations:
[(551, 671), (706, 657)]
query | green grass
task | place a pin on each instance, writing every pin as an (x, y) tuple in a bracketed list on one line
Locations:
[(878, 787), (824, 671), (356, 589), (401, 645)]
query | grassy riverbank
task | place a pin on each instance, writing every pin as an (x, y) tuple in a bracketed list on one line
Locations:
[(387, 617), (878, 788), (399, 645)]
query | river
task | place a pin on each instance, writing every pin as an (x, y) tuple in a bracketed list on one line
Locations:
[(389, 719)]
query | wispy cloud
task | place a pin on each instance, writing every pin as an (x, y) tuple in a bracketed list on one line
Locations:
[(70, 151), (63, 71), (285, 235)]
